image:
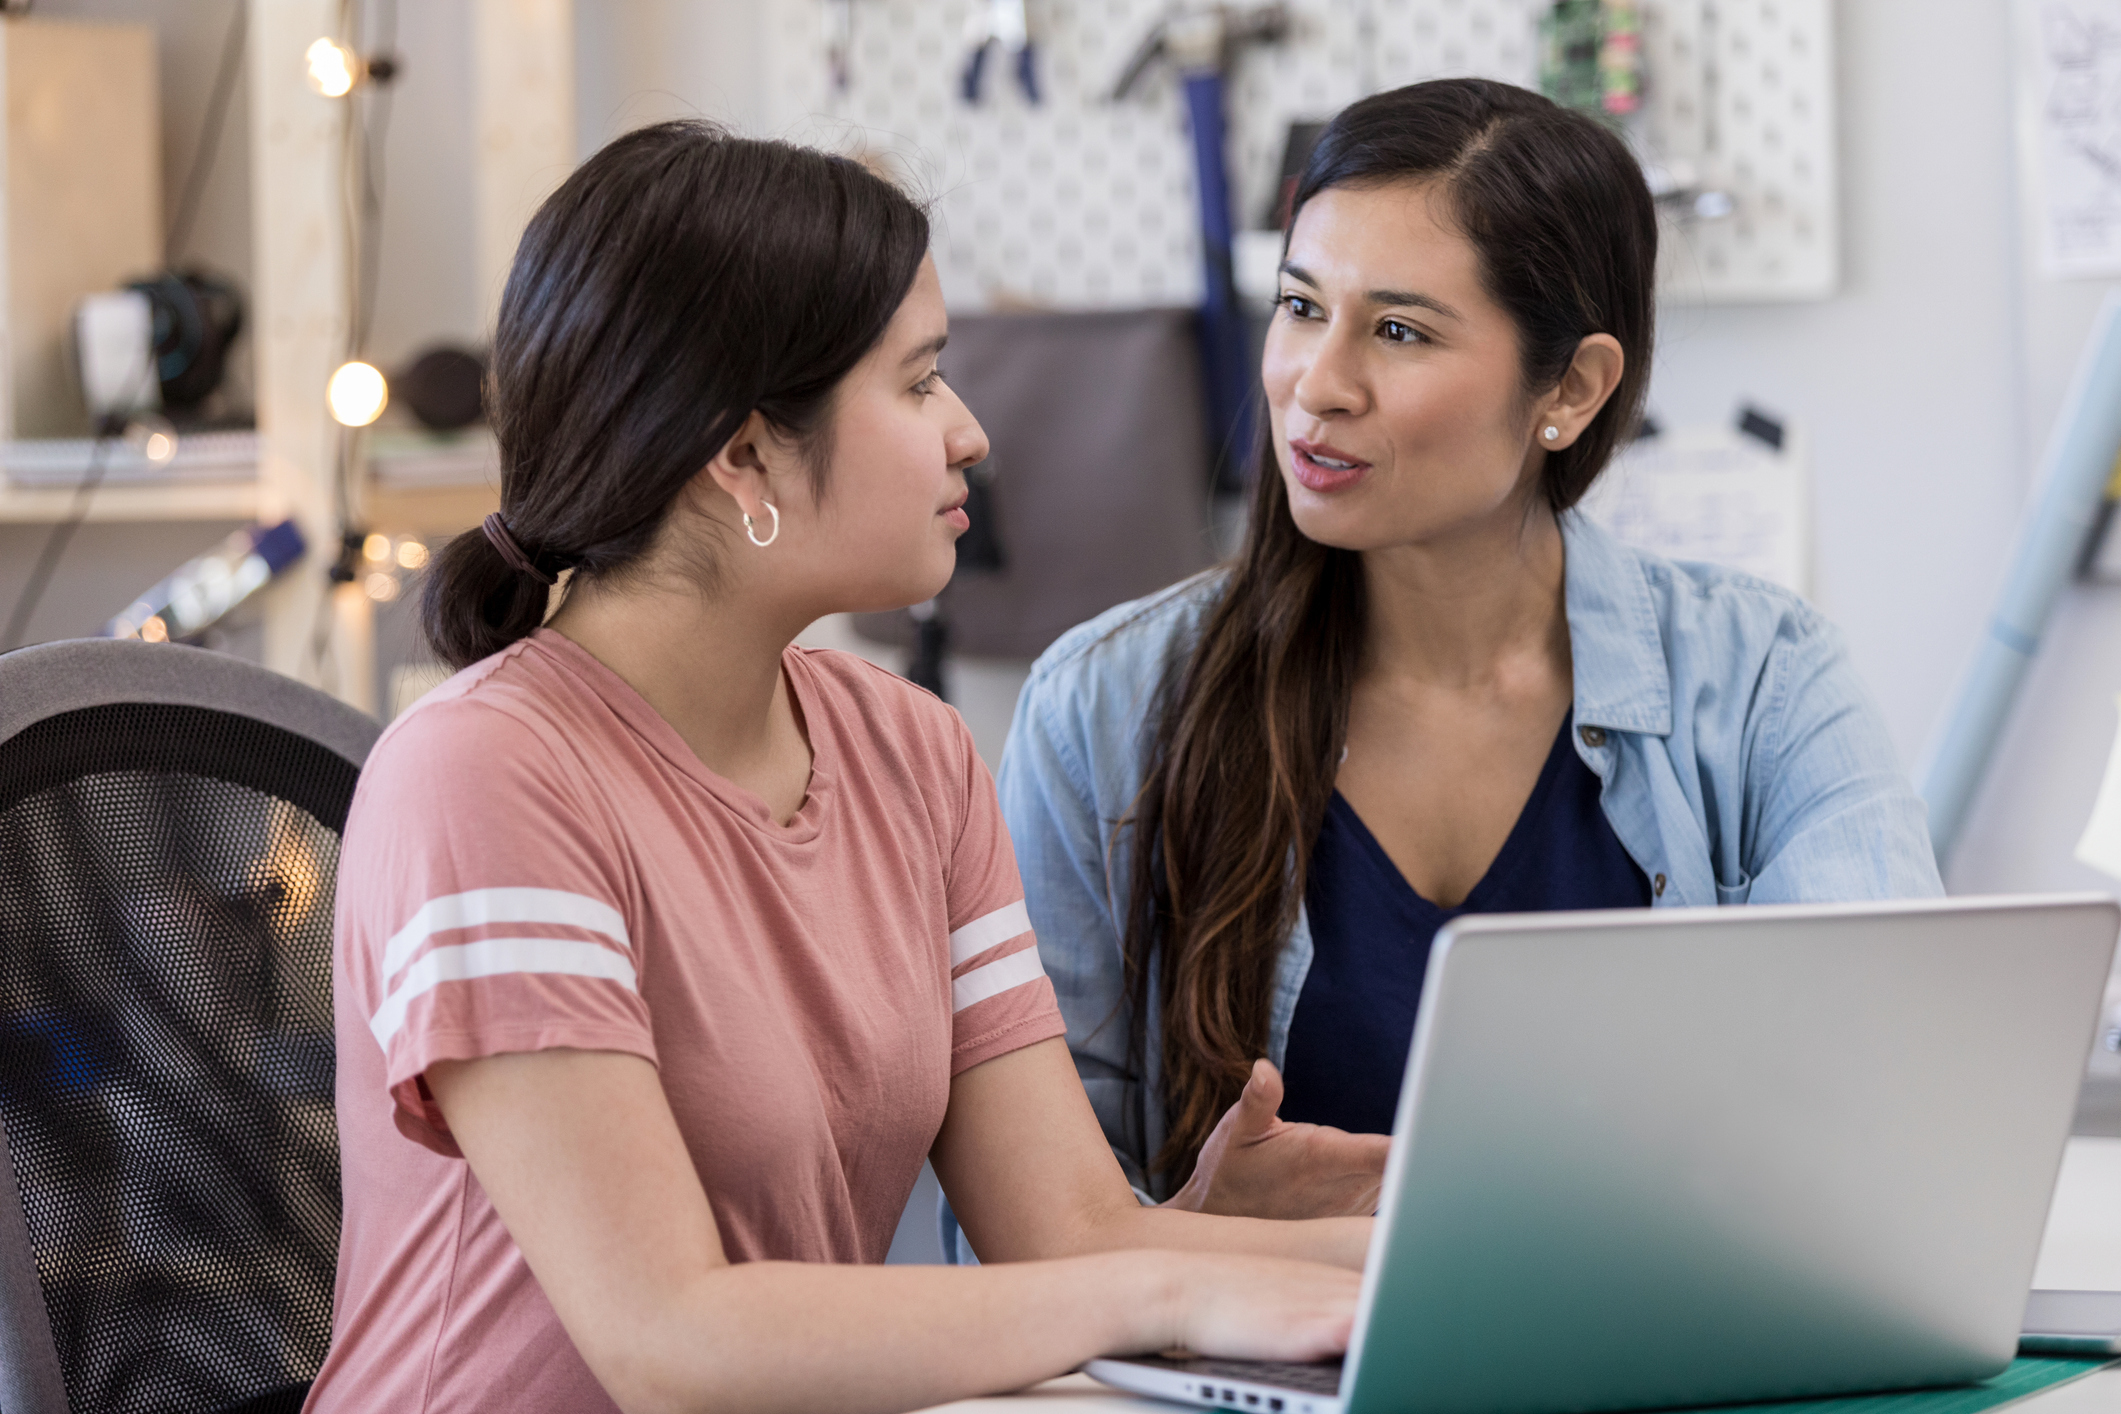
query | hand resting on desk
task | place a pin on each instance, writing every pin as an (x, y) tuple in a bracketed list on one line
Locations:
[(1257, 1165)]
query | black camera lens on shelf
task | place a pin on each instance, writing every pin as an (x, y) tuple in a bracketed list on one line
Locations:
[(196, 317)]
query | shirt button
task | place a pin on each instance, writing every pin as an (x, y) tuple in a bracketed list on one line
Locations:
[(1593, 736), (1657, 886)]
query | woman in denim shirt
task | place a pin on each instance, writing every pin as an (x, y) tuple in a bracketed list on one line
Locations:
[(1426, 685)]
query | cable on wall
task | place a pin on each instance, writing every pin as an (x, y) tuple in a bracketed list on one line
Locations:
[(359, 67)]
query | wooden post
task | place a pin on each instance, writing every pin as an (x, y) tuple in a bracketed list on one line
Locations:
[(523, 69), (523, 92), (299, 291)]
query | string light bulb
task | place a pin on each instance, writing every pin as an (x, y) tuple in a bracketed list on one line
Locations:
[(358, 393), (332, 68), (151, 435), (411, 554)]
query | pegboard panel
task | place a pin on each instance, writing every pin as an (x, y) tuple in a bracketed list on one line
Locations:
[(1081, 203), (1748, 97)]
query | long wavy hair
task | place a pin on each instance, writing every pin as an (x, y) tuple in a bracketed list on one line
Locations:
[(1250, 728)]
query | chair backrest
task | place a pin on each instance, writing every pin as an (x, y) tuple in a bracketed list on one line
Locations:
[(169, 1165)]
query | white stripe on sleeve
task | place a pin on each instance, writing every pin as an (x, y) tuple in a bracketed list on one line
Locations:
[(982, 933), (466, 910), (498, 957), (996, 978)]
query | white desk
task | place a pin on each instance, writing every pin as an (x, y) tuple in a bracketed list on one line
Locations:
[(2082, 1251)]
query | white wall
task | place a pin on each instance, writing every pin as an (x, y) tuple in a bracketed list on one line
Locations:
[(640, 61), (2027, 817), (1908, 381), (636, 62), (426, 291), (1941, 408), (1929, 388)]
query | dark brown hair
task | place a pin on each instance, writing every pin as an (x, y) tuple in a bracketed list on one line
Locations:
[(678, 281), (1250, 728)]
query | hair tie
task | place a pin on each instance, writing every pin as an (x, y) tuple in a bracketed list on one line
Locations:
[(497, 535)]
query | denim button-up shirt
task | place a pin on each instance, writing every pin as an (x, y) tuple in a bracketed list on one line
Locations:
[(1741, 758)]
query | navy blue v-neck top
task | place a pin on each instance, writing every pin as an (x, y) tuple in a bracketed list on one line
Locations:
[(1370, 935)]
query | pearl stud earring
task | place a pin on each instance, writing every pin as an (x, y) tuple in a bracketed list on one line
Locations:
[(1552, 434)]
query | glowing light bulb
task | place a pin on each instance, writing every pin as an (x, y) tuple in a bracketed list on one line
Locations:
[(380, 587), (357, 393), (333, 69), (412, 554), (376, 547), (150, 435)]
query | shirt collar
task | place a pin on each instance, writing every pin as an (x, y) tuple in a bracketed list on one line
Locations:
[(1622, 679)]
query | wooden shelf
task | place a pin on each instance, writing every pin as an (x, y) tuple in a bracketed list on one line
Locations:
[(416, 461), (199, 500), (214, 477), (418, 483), (431, 484)]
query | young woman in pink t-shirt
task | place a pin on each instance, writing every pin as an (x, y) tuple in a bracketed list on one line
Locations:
[(668, 950)]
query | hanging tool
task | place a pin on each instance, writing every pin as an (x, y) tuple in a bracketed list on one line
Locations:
[(1000, 23), (1201, 42)]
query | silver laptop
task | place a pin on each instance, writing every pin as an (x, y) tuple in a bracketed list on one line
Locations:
[(1688, 1156)]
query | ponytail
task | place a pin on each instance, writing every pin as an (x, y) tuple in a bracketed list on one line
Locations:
[(476, 603)]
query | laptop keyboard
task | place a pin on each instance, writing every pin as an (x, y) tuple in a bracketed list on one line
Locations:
[(1322, 1378)]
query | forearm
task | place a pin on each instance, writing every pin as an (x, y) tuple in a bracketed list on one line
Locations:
[(1028, 1173), (1340, 1242), (770, 1336)]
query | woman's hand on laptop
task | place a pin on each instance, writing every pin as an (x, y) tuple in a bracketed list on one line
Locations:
[(1258, 1308), (1257, 1165)]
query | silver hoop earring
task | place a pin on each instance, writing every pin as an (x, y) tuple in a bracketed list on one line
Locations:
[(751, 532), (1552, 434)]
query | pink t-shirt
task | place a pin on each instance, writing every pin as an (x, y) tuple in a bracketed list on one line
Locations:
[(536, 859)]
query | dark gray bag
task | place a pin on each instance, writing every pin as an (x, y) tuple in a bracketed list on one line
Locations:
[(1100, 472)]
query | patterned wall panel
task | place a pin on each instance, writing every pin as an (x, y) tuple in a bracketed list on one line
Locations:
[(1080, 202)]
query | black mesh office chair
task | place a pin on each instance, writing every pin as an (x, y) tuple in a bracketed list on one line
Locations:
[(169, 1165)]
